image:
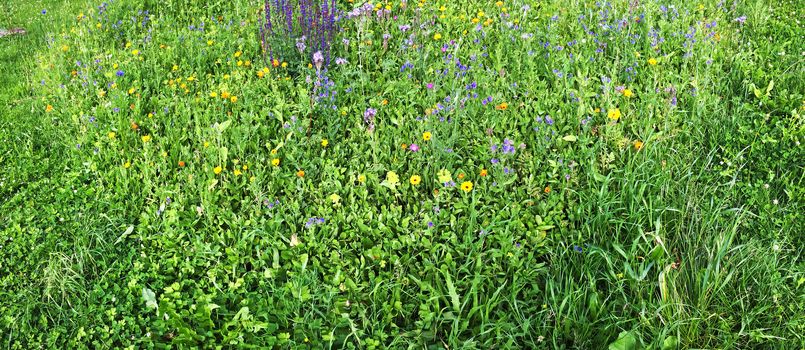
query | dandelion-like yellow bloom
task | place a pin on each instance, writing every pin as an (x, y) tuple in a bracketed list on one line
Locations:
[(111, 135), (127, 164), (146, 138), (628, 93), (614, 113), (466, 186), (275, 162), (652, 61), (427, 135), (437, 36), (217, 170), (324, 142), (415, 180)]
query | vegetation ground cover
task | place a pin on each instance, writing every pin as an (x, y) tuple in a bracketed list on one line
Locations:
[(511, 174)]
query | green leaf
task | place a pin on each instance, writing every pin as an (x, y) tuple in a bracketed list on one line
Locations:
[(626, 341), (569, 138)]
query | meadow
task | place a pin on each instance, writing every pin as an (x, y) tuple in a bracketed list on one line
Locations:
[(426, 174)]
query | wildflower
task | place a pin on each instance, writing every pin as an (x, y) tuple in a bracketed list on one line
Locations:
[(614, 114), (444, 176), (427, 135), (127, 164), (430, 86), (466, 186), (49, 108), (335, 198), (638, 145), (294, 240), (404, 146), (233, 99), (217, 170), (392, 178), (181, 164), (213, 94), (318, 59), (146, 138), (275, 162), (741, 20), (238, 172), (414, 147), (135, 52), (437, 36), (225, 95), (111, 135), (324, 142), (484, 172), (628, 93), (547, 189), (652, 61), (300, 173), (502, 106), (361, 178), (415, 180)]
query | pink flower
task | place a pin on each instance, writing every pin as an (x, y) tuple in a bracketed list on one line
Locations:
[(413, 147), (430, 85)]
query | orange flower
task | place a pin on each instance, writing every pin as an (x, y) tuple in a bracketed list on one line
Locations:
[(461, 176), (49, 108), (638, 145), (134, 126), (502, 106), (484, 172), (547, 189), (403, 146), (300, 173), (181, 164)]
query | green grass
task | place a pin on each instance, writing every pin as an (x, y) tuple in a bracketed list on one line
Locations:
[(579, 239)]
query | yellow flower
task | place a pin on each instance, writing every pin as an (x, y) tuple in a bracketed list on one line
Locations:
[(146, 138), (392, 178), (484, 172), (64, 48), (427, 135), (175, 67), (213, 94), (206, 144), (637, 145), (217, 170), (127, 164), (245, 167), (284, 64), (437, 36), (210, 42), (233, 99), (466, 186), (260, 74), (499, 3), (224, 95), (335, 198), (237, 54), (135, 52), (111, 135), (300, 173), (275, 162), (49, 108), (444, 176), (614, 114), (361, 178), (415, 180), (628, 93), (652, 61), (273, 151), (238, 172), (324, 142)]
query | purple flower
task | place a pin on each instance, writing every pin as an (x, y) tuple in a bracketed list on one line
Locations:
[(413, 147), (430, 85), (741, 20), (577, 248), (430, 223), (318, 59), (494, 160), (44, 12), (340, 61)]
